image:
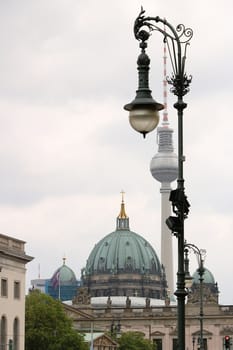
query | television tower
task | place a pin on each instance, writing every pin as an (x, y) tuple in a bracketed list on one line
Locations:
[(164, 168)]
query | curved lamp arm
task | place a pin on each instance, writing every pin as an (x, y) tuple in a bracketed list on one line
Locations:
[(200, 254), (177, 41)]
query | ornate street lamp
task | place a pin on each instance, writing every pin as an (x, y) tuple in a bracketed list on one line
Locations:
[(200, 254), (116, 329), (143, 117)]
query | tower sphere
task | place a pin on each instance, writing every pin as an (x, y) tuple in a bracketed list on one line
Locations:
[(164, 164)]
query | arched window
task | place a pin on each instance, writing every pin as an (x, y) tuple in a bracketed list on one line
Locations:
[(16, 334), (129, 263), (3, 333)]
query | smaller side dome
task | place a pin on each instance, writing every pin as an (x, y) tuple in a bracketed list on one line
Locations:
[(208, 277), (210, 288), (63, 284), (65, 274)]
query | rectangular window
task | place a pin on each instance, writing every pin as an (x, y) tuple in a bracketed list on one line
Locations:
[(158, 344), (204, 343), (4, 287), (174, 344), (16, 289)]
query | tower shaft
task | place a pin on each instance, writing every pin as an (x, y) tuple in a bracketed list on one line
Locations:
[(166, 238), (164, 168)]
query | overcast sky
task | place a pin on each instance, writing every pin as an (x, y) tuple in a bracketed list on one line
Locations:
[(66, 148)]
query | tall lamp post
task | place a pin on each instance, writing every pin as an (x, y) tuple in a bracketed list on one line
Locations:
[(200, 254), (143, 117)]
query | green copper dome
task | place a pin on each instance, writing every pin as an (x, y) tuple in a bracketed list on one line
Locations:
[(207, 277), (209, 291), (124, 263), (65, 274), (123, 250)]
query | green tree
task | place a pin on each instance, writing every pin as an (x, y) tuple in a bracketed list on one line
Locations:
[(47, 327), (134, 341)]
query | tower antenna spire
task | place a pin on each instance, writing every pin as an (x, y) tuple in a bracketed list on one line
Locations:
[(165, 121)]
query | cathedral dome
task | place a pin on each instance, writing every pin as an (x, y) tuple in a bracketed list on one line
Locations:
[(123, 251), (121, 259)]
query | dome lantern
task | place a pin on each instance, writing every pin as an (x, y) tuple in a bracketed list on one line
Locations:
[(122, 219)]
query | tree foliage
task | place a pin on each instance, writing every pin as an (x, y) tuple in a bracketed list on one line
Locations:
[(47, 327), (134, 341)]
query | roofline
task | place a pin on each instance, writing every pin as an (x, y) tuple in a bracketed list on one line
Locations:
[(11, 237), (11, 254)]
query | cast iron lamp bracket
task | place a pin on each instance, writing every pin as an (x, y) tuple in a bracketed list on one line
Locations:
[(200, 254), (177, 41)]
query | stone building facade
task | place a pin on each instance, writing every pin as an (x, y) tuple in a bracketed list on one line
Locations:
[(157, 322), (13, 260)]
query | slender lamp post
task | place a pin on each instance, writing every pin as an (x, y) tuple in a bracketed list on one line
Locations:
[(200, 254), (143, 117)]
